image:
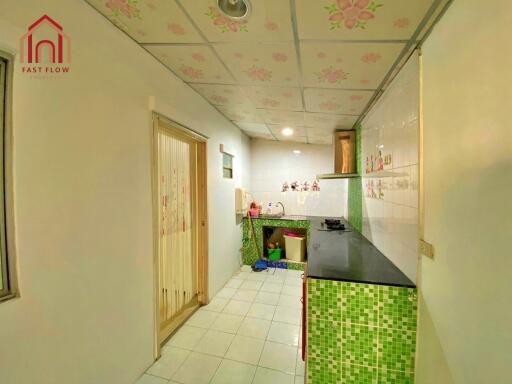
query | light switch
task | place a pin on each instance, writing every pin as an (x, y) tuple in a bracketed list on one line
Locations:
[(426, 249)]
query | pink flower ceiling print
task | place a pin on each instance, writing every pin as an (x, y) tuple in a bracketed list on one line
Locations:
[(198, 57), (352, 13), (193, 73), (270, 103), (271, 26), (331, 75), (371, 57), (127, 8), (225, 24), (259, 74), (218, 99), (329, 106), (403, 22), (176, 29), (279, 56)]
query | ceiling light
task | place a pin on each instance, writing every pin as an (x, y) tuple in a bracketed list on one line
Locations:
[(235, 9), (296, 152), (287, 131)]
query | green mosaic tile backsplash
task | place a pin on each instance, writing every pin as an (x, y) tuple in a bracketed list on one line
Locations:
[(355, 190), (360, 333)]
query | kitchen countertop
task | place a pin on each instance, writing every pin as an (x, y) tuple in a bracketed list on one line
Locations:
[(349, 256), (346, 255)]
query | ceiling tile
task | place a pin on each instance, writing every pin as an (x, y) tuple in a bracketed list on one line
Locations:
[(261, 64), (265, 136), (320, 135), (288, 118), (324, 140), (299, 133), (254, 128), (241, 113), (326, 121), (269, 20), (360, 19), (275, 97), (347, 65), (320, 132), (150, 21), (223, 94), (336, 101), (193, 63)]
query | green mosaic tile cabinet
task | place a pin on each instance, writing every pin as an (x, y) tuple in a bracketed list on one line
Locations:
[(360, 333), (355, 190), (249, 252)]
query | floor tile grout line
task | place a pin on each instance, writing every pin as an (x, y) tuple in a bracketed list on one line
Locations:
[(244, 317)]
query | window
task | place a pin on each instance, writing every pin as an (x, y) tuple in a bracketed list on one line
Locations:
[(7, 286), (227, 165)]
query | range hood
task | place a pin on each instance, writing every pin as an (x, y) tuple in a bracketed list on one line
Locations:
[(345, 157)]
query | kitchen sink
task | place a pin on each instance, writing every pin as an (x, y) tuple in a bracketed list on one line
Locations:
[(271, 216), (282, 217)]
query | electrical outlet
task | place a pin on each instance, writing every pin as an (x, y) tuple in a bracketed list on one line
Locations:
[(426, 249)]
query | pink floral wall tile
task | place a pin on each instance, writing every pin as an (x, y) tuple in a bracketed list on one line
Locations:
[(149, 21), (194, 64)]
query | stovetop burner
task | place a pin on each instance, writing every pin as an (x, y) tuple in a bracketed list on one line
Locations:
[(332, 225)]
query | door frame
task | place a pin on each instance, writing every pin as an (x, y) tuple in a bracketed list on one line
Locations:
[(200, 209)]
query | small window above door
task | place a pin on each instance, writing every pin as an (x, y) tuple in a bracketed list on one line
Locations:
[(227, 166)]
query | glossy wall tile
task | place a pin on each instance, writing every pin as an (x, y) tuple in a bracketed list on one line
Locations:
[(390, 170)]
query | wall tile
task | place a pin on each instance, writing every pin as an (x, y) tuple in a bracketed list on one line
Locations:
[(359, 344), (356, 374), (397, 308), (390, 196), (397, 349), (342, 351)]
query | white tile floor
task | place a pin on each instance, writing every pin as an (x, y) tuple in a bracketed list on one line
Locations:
[(249, 333)]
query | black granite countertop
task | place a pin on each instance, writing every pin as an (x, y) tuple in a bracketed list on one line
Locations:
[(349, 256)]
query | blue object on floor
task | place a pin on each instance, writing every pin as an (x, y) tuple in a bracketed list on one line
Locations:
[(260, 265), (277, 264)]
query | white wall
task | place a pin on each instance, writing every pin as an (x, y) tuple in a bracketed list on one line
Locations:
[(273, 163), (465, 329), (83, 202), (390, 213)]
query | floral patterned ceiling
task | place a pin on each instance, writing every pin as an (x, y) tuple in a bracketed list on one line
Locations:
[(312, 65)]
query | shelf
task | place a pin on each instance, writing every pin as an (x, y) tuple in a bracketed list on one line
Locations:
[(379, 174), (329, 176)]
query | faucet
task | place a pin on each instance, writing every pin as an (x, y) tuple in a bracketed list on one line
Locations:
[(279, 203)]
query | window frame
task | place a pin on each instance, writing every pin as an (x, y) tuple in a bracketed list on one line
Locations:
[(225, 168), (8, 251)]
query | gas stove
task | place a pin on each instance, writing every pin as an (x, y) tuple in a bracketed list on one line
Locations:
[(332, 225)]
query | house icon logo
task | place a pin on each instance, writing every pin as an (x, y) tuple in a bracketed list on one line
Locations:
[(45, 43)]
